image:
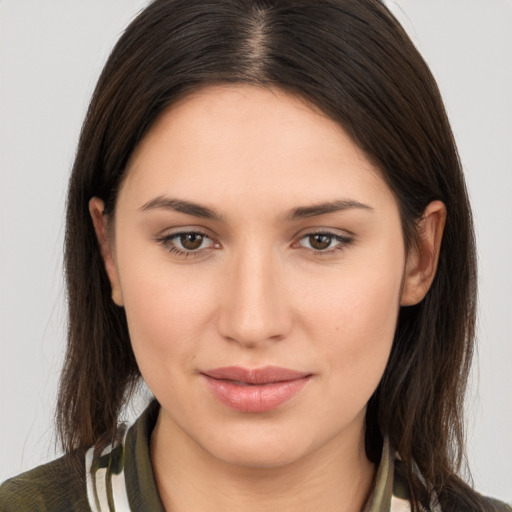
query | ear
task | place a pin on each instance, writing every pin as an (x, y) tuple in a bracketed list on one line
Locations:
[(421, 262), (97, 211)]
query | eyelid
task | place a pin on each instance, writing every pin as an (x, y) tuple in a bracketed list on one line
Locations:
[(166, 240), (343, 239)]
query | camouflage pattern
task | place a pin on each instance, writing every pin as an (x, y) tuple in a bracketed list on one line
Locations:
[(119, 478)]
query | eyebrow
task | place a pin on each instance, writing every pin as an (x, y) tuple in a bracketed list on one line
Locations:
[(301, 212), (181, 206)]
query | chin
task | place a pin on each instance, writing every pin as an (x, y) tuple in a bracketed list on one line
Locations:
[(257, 452), (259, 459)]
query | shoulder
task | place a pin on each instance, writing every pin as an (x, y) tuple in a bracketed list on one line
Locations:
[(497, 506), (474, 502), (54, 487), (458, 495)]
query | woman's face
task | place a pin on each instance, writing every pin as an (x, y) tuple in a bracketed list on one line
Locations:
[(251, 233)]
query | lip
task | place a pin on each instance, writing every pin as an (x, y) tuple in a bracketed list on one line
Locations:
[(255, 390)]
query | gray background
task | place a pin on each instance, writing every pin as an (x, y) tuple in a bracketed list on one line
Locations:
[(51, 52)]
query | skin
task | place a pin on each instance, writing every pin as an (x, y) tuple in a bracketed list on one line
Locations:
[(261, 290)]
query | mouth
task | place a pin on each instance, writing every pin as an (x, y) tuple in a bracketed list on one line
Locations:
[(255, 390)]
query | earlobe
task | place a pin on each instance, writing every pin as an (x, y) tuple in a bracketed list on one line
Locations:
[(421, 262), (96, 209)]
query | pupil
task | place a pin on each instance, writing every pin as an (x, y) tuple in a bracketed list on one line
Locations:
[(191, 241), (320, 242)]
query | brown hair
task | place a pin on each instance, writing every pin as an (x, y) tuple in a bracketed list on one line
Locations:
[(353, 60)]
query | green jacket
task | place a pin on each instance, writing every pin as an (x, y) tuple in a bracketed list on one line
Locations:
[(120, 479)]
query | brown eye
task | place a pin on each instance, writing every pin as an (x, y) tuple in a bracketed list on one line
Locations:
[(320, 242), (191, 241), (187, 243), (324, 242)]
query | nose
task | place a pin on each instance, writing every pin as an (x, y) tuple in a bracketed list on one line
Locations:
[(254, 309)]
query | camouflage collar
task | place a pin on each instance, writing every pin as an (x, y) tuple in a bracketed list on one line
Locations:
[(120, 477)]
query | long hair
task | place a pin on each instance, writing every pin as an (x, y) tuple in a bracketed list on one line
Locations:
[(353, 61)]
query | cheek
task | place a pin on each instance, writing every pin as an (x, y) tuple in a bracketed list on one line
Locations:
[(168, 310), (355, 320)]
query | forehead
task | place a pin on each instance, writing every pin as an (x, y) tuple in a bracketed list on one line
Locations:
[(253, 142)]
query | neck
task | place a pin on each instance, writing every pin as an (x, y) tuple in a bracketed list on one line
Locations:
[(337, 477)]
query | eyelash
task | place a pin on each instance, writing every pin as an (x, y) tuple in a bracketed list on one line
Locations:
[(168, 242), (343, 242)]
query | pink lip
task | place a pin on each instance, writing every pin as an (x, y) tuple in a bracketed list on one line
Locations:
[(257, 390)]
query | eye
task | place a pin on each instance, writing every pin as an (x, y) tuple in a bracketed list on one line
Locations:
[(186, 243), (191, 241), (324, 242)]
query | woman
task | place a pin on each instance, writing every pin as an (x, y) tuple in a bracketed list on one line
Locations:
[(267, 221)]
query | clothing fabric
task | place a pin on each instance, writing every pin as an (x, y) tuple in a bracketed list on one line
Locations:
[(120, 478)]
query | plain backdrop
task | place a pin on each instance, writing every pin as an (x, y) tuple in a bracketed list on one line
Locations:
[(51, 52)]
